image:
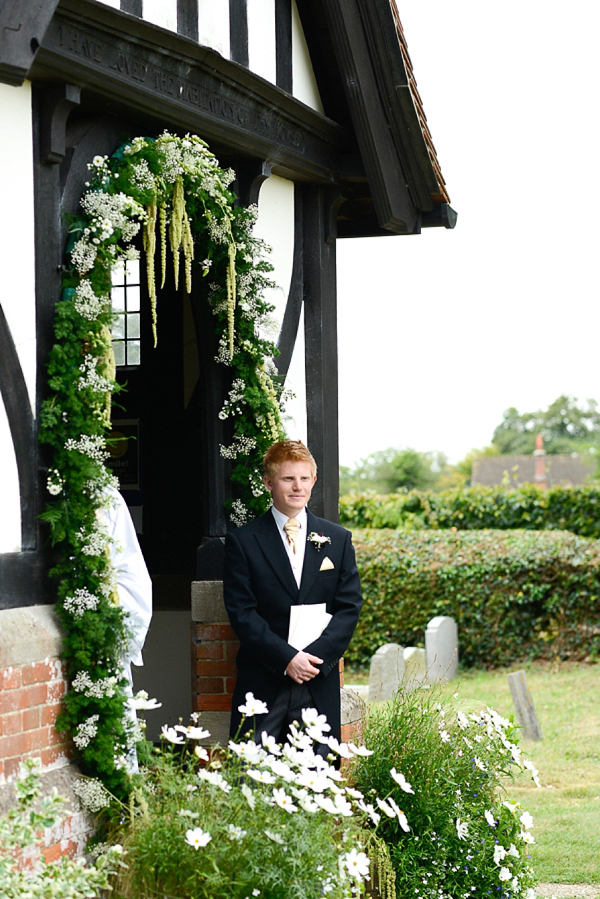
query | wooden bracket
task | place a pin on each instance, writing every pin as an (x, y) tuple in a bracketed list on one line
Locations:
[(57, 101)]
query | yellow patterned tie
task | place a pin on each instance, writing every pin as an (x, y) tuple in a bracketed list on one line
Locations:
[(291, 531)]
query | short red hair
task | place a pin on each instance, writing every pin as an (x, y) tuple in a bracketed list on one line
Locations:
[(286, 451)]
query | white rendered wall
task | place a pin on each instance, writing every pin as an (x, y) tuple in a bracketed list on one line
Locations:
[(275, 226), (213, 25), (17, 286), (161, 12), (261, 38), (304, 83)]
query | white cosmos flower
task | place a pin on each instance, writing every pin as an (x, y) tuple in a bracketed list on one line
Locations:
[(504, 874), (253, 706), (284, 801), (526, 837), (280, 769), (370, 811), (308, 805), (250, 751), (514, 851), (526, 820), (444, 736), (215, 779), (270, 743), (356, 864), (193, 733), (489, 817), (462, 829), (201, 752), (327, 804), (355, 794), (316, 734), (187, 813), (387, 809), (401, 781), (343, 806), (359, 750), (530, 893), (235, 833), (311, 718), (515, 883), (141, 702), (170, 734), (197, 837), (274, 836), (462, 720), (263, 777), (499, 853), (249, 796), (341, 748)]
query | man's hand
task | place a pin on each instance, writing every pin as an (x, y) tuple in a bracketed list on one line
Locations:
[(302, 667)]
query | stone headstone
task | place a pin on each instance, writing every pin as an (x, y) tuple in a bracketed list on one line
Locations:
[(415, 668), (386, 672), (524, 706), (441, 648)]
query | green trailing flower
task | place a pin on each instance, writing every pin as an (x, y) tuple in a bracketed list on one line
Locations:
[(178, 182)]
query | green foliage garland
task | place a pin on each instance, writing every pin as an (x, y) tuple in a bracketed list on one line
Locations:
[(177, 182)]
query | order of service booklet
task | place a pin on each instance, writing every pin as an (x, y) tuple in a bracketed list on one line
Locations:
[(307, 622)]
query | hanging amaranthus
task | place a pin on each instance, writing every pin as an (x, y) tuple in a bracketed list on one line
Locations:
[(162, 218), (180, 234), (150, 250), (231, 292)]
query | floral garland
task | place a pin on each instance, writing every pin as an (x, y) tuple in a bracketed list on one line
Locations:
[(176, 183)]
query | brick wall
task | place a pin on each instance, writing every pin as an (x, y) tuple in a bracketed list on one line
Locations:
[(214, 648), (32, 685)]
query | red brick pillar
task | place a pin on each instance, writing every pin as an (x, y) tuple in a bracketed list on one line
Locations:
[(214, 648)]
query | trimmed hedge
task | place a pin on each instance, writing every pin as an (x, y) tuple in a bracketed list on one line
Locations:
[(575, 509), (514, 594)]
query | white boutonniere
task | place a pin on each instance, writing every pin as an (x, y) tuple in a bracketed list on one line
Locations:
[(318, 540)]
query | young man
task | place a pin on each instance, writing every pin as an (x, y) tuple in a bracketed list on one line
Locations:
[(289, 557)]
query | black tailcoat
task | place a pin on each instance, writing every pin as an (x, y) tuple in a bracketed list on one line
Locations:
[(259, 590)]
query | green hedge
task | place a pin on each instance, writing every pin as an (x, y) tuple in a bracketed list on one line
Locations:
[(575, 509), (514, 594)]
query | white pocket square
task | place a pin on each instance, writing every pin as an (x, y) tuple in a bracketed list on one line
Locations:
[(326, 564)]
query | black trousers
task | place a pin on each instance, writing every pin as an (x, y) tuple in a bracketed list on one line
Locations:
[(288, 705)]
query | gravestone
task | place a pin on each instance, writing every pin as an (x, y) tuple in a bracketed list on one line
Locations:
[(386, 672), (415, 668), (524, 706), (441, 648)]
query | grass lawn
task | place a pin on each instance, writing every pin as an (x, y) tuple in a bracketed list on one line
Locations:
[(566, 810)]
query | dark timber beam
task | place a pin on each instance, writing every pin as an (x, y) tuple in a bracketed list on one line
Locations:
[(56, 104), (320, 333), (23, 24)]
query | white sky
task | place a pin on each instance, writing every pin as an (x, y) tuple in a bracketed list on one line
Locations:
[(439, 333)]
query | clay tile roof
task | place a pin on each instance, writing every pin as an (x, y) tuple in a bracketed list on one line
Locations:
[(442, 196)]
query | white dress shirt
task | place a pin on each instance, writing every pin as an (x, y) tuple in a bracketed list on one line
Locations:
[(296, 558)]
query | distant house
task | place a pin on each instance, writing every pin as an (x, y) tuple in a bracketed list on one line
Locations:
[(560, 470)]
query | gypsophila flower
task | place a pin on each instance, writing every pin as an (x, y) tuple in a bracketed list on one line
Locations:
[(95, 543), (86, 732), (87, 304), (93, 446), (239, 513), (83, 255), (105, 686), (92, 794), (240, 446), (82, 601), (91, 378)]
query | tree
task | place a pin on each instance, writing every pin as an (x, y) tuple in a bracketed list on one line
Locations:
[(392, 469), (565, 426)]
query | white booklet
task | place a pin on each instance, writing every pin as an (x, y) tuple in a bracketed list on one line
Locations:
[(307, 622)]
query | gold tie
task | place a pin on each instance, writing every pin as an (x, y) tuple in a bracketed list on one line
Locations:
[(291, 531)]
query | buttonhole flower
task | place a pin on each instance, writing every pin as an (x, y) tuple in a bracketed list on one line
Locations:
[(318, 540)]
